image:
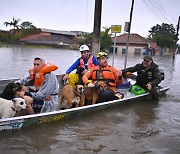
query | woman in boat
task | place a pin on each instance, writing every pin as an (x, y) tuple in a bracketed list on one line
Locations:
[(106, 73), (82, 64), (148, 76), (45, 95)]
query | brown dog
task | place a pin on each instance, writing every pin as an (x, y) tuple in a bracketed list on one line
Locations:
[(71, 96), (91, 94)]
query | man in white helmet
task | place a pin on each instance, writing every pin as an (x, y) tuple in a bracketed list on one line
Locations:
[(82, 64)]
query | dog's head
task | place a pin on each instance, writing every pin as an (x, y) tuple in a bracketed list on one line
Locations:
[(79, 70), (101, 86), (10, 90), (19, 103), (78, 90)]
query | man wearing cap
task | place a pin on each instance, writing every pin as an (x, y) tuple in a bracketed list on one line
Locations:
[(105, 73), (82, 64), (147, 75), (44, 98)]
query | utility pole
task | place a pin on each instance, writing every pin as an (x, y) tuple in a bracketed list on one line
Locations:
[(97, 27), (129, 29), (178, 27), (177, 34)]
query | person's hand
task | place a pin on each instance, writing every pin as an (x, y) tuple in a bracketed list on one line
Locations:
[(65, 77), (90, 85), (149, 86), (128, 75), (28, 100), (24, 88), (21, 94), (84, 72)]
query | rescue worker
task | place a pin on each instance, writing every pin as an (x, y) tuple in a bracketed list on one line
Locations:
[(106, 73), (44, 98), (148, 76), (82, 64)]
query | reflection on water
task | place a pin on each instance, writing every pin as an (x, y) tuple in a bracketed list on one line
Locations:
[(134, 127), (16, 61)]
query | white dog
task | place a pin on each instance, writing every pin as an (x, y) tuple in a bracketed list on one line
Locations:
[(8, 108)]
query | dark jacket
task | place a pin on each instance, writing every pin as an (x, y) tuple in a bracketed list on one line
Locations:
[(144, 76)]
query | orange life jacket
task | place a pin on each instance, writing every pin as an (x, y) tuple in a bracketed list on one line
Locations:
[(106, 75), (90, 62), (38, 77)]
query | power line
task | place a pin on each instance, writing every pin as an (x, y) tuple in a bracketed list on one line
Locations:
[(155, 8), (63, 4), (172, 18), (160, 9), (152, 10)]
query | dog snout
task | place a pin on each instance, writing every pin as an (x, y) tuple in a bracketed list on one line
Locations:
[(82, 91), (102, 88)]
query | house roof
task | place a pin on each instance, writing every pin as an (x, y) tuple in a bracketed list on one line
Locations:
[(47, 39), (58, 32), (133, 38)]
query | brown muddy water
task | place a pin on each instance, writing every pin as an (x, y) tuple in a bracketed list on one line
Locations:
[(138, 127)]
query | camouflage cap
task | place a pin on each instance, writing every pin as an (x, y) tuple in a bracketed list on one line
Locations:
[(148, 58)]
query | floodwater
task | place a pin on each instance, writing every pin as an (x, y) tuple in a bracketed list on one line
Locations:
[(136, 127)]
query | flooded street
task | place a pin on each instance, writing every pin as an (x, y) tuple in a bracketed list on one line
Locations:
[(135, 127)]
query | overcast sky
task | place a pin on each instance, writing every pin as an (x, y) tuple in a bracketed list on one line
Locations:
[(78, 15)]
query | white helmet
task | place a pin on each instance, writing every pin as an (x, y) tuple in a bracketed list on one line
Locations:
[(84, 48)]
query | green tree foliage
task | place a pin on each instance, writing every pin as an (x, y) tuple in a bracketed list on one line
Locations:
[(5, 37), (24, 29), (164, 35), (105, 39), (26, 32), (88, 39), (27, 25)]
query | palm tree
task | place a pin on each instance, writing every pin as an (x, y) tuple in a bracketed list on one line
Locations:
[(13, 23), (106, 30), (7, 24)]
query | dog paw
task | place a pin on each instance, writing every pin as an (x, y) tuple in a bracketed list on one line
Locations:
[(90, 85)]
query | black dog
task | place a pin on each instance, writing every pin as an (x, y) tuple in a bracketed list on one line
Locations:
[(79, 72), (9, 91)]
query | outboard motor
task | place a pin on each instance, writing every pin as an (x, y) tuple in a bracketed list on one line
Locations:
[(161, 73)]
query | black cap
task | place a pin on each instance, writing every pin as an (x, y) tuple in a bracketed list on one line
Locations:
[(148, 58)]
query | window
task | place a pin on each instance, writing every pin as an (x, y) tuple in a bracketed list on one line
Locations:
[(123, 51), (137, 51)]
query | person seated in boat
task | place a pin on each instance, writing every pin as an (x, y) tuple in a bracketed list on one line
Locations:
[(82, 64), (106, 73), (44, 96), (148, 76)]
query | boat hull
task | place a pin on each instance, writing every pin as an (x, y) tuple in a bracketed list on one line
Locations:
[(36, 119)]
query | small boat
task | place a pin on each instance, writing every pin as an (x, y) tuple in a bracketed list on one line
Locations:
[(36, 119)]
